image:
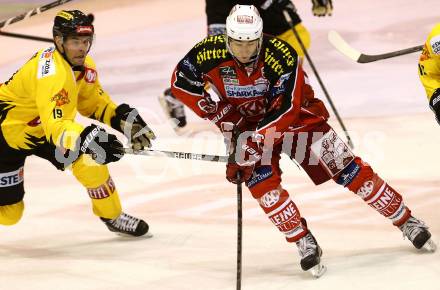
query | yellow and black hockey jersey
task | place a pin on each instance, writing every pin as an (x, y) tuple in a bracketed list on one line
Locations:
[(39, 102), (429, 63)]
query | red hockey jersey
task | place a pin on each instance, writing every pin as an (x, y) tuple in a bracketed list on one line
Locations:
[(273, 95)]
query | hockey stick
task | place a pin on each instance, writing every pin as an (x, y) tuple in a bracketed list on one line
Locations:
[(231, 159), (32, 12), (178, 155), (343, 47), (25, 36), (315, 71), (239, 229)]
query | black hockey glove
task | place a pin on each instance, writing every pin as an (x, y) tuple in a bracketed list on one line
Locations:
[(322, 7), (128, 121), (434, 104), (103, 147), (282, 4)]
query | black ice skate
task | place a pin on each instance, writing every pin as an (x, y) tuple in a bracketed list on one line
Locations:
[(310, 253), (417, 232), (127, 225), (173, 108)]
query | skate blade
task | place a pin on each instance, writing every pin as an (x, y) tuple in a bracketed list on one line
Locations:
[(318, 270), (146, 236), (430, 246)]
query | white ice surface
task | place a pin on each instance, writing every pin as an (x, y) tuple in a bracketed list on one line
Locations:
[(191, 208)]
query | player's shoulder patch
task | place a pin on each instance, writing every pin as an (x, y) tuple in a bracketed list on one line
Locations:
[(279, 57), (90, 73), (46, 63), (210, 51), (435, 44)]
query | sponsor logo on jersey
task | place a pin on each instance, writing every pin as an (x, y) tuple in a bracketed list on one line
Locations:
[(11, 178), (46, 65), (227, 71), (90, 75), (61, 98), (260, 174), (252, 108), (47, 53), (243, 92), (229, 75), (275, 62), (435, 44), (223, 112), (190, 66), (214, 39), (209, 54), (207, 105), (281, 80), (228, 81)]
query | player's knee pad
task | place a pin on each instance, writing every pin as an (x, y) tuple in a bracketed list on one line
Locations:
[(360, 178), (89, 173), (11, 214), (283, 213), (11, 187)]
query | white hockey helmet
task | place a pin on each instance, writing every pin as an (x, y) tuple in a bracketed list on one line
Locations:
[(244, 23)]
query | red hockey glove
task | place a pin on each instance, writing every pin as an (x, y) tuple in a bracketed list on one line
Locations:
[(247, 153), (233, 168)]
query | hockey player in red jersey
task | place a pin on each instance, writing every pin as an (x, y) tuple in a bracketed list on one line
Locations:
[(264, 91)]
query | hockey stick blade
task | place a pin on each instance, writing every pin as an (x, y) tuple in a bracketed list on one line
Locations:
[(342, 46), (32, 12), (177, 155)]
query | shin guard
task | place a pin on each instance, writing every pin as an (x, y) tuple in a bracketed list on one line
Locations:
[(283, 213), (376, 192)]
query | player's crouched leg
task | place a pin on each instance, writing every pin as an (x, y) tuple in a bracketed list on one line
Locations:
[(360, 178), (11, 214), (105, 199), (276, 203), (284, 214), (11, 193)]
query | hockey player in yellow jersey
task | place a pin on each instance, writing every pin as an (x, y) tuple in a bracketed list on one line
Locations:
[(429, 70), (38, 105)]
